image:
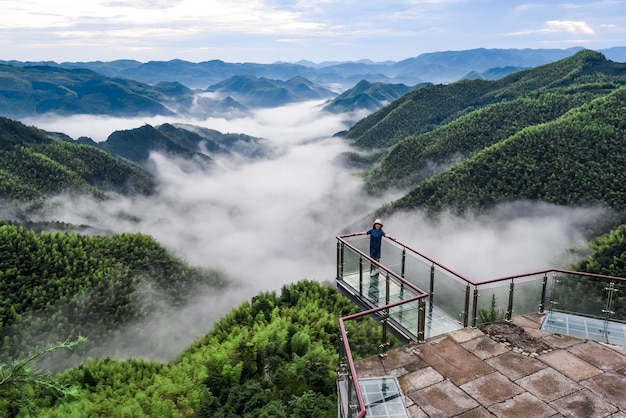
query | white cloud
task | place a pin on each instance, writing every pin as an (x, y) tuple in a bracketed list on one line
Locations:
[(568, 26)]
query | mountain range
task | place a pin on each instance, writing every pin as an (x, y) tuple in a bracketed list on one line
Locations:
[(220, 89)]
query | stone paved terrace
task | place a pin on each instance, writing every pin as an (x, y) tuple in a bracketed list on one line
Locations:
[(468, 373)]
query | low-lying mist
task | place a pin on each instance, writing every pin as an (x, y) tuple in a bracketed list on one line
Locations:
[(272, 222)]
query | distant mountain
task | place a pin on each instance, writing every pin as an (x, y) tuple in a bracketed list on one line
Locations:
[(262, 92), (183, 141), (435, 67), (368, 96), (492, 73), (35, 166), (27, 91)]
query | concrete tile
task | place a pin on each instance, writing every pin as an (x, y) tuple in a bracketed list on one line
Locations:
[(443, 400), (484, 347), (514, 365), (370, 367), (610, 386), (528, 321), (419, 379), (400, 357), (599, 355), (415, 411), (479, 412), (453, 361), (570, 365), (560, 340), (548, 385), (583, 403), (490, 389), (524, 405), (465, 334)]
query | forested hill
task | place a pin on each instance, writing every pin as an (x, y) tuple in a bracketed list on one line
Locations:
[(427, 108), (575, 160), (61, 285), (33, 166), (554, 133)]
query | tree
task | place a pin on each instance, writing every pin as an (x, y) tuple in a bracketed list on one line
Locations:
[(21, 384)]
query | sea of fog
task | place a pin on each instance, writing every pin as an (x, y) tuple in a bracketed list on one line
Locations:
[(270, 222)]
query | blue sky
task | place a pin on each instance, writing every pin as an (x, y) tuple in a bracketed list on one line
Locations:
[(266, 31)]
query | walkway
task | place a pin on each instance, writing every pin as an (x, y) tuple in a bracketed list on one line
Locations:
[(466, 373)]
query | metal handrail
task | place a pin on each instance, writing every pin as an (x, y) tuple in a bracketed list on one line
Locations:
[(348, 351)]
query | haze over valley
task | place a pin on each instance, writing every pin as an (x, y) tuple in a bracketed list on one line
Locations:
[(272, 221)]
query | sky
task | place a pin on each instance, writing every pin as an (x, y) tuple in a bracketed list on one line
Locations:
[(265, 31)]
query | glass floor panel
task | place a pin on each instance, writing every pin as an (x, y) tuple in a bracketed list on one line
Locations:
[(583, 327), (382, 397)]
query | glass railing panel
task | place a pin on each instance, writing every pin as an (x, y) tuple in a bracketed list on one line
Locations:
[(527, 294), (449, 294), (579, 295), (350, 262), (391, 256), (417, 272), (406, 316), (493, 302)]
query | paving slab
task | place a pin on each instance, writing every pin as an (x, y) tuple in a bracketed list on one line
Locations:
[(479, 412), (599, 355), (583, 403), (524, 405), (490, 389), (401, 357), (570, 365), (453, 361), (528, 321), (443, 400), (611, 386), (560, 340), (370, 367), (548, 385), (515, 365), (465, 334), (484, 347), (419, 379)]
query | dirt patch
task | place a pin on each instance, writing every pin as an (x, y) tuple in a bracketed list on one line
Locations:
[(516, 337)]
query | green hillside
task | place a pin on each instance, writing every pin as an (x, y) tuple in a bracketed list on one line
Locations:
[(181, 141), (61, 285), (33, 166), (427, 108), (575, 160), (274, 356)]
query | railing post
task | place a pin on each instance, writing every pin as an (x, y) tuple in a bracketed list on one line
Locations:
[(360, 276), (384, 344), (509, 312), (432, 284), (475, 317), (607, 312), (403, 268), (421, 320), (339, 260), (553, 301), (466, 308), (544, 286)]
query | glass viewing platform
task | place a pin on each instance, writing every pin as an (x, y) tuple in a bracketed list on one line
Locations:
[(415, 298)]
